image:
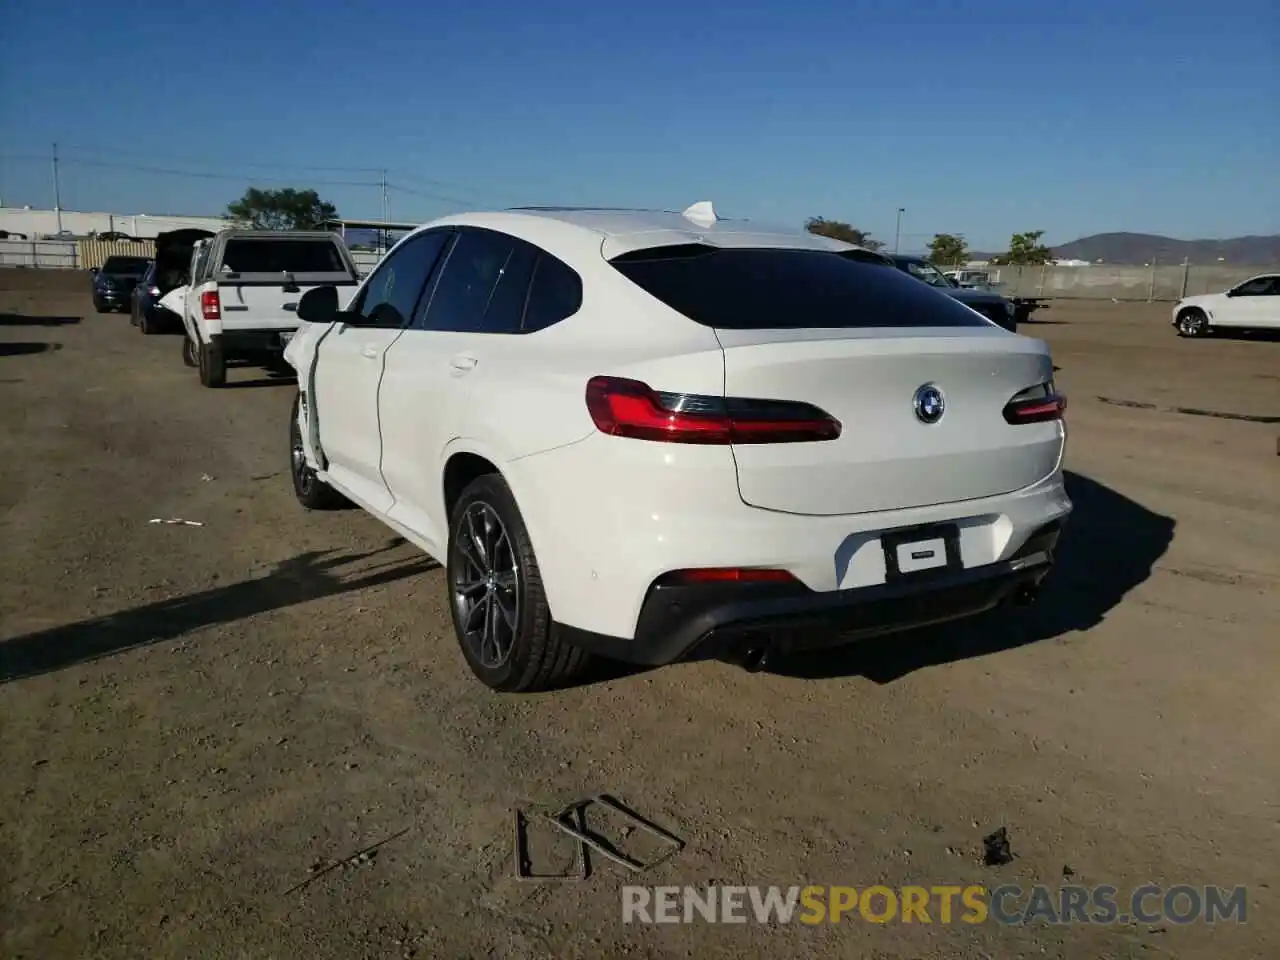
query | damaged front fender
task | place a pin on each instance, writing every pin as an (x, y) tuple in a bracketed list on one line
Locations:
[(301, 354)]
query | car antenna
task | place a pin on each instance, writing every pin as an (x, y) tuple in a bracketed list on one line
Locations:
[(702, 213)]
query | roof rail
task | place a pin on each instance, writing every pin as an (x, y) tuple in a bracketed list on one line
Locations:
[(557, 208)]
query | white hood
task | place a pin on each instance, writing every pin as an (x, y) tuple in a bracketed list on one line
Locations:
[(175, 301), (1205, 301)]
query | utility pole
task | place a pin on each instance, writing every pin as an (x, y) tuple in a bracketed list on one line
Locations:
[(57, 189), (384, 238), (897, 231)]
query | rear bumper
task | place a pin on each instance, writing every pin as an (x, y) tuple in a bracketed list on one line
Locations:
[(714, 620), (611, 518), (250, 342)]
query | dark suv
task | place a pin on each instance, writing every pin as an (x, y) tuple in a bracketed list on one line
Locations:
[(114, 281)]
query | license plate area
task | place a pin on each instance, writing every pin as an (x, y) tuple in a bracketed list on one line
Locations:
[(921, 552)]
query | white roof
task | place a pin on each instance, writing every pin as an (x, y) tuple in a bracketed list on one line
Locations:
[(616, 231)]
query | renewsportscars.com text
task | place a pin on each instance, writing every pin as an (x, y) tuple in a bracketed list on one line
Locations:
[(1008, 904)]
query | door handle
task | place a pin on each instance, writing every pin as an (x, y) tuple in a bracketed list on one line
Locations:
[(463, 364), (370, 352)]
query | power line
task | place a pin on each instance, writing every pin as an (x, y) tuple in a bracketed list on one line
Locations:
[(415, 179), (275, 165), (440, 198), (89, 161), (207, 175)]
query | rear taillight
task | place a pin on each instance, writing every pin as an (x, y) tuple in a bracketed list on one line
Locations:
[(726, 575), (154, 291), (210, 305), (629, 408), (1036, 405)]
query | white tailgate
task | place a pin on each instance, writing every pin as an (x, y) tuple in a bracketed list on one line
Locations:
[(885, 457), (258, 306)]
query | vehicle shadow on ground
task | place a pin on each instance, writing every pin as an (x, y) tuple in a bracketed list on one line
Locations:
[(308, 576), (271, 378), (1110, 545), (1266, 336), (23, 320), (24, 348)]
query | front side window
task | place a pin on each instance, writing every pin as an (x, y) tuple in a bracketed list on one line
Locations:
[(391, 294), (1258, 287), (927, 272)]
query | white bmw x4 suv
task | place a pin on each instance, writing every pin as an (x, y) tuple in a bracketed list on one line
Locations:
[(660, 436)]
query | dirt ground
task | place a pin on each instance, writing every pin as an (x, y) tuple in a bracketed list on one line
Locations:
[(194, 720)]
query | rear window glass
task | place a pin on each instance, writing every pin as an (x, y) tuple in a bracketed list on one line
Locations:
[(282, 256), (757, 289), (125, 265)]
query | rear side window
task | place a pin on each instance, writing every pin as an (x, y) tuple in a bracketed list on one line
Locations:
[(556, 293), (506, 306), (757, 289), (282, 256)]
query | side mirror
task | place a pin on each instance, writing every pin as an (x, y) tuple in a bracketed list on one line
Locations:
[(319, 305), (1233, 292), (93, 271)]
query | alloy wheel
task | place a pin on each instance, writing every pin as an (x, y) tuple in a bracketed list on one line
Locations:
[(486, 585), (302, 474)]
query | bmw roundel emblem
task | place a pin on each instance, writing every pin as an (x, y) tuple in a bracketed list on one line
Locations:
[(929, 403)]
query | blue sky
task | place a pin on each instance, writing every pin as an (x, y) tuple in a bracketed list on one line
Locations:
[(981, 118)]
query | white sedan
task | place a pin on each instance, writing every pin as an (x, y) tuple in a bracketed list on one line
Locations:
[(662, 436), (1252, 305)]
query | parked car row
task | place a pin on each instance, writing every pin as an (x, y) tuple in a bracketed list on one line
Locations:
[(991, 305)]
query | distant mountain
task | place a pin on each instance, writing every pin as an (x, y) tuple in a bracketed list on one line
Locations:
[(1140, 248)]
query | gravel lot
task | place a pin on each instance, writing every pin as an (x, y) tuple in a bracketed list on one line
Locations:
[(194, 719)]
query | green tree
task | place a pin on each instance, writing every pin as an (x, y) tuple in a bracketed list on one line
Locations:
[(1026, 249), (948, 250), (839, 230), (286, 209)]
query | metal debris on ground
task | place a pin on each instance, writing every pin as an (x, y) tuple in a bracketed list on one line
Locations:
[(524, 868), (580, 832), (177, 520), (995, 848), (1190, 411), (357, 859)]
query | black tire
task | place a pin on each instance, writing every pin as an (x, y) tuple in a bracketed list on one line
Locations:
[(312, 492), (1193, 322), (188, 351), (100, 307), (146, 325), (536, 657), (213, 365)]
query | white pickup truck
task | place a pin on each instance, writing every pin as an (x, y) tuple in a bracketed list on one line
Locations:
[(241, 297)]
